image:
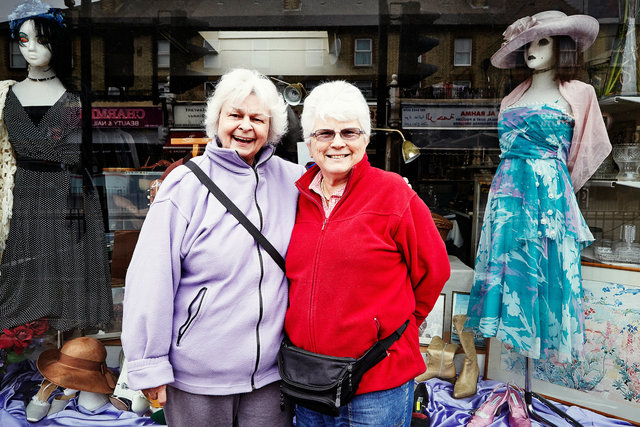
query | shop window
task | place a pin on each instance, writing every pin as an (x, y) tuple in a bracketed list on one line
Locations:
[(462, 52), (363, 53), (164, 54), (16, 58)]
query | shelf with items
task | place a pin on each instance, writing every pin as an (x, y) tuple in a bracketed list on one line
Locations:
[(612, 210), (613, 183)]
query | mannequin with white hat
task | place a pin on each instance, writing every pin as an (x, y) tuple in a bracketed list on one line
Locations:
[(540, 57), (527, 289)]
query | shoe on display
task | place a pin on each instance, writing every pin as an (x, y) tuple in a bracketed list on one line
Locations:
[(126, 399), (59, 402), (484, 415), (518, 416), (439, 361), (39, 405), (467, 383)]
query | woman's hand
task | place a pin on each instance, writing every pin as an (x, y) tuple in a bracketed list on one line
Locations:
[(157, 393)]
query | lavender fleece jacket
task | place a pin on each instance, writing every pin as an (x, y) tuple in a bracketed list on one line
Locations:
[(204, 306)]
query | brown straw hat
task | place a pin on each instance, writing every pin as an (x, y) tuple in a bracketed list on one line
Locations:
[(79, 365), (583, 29)]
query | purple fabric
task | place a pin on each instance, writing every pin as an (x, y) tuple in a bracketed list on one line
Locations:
[(445, 411), (21, 382)]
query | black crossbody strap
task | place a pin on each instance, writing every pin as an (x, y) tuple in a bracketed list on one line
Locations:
[(233, 210), (377, 352)]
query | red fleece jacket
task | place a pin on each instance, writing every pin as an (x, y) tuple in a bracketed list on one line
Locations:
[(377, 261)]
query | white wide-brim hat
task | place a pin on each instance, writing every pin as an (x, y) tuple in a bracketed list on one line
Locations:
[(583, 29)]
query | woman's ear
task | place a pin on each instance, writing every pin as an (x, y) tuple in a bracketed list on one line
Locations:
[(309, 148)]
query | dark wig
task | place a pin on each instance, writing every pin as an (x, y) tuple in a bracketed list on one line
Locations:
[(59, 45), (568, 59)]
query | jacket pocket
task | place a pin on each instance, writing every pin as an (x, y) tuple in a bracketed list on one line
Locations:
[(192, 314)]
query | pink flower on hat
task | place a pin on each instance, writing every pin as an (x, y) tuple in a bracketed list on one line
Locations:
[(517, 28)]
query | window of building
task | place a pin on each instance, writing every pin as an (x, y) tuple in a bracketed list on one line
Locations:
[(16, 58), (291, 5), (363, 53), (164, 54), (118, 58), (462, 52)]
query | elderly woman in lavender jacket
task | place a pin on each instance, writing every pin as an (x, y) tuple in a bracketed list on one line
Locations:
[(204, 303)]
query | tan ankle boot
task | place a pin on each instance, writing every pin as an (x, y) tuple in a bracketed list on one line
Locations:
[(467, 382), (439, 361)]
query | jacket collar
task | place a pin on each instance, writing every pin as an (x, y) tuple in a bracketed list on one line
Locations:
[(231, 160), (357, 173)]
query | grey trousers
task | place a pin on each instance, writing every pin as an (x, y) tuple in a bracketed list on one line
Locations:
[(260, 407)]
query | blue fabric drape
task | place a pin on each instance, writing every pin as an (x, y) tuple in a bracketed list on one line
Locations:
[(22, 381)]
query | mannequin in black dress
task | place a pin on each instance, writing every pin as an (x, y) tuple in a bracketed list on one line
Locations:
[(54, 263)]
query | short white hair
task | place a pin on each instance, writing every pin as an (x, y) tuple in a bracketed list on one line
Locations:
[(338, 100), (234, 87)]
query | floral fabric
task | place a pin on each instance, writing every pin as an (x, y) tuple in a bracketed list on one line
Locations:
[(527, 288)]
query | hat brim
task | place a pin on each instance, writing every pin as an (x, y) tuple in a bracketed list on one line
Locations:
[(71, 377), (583, 29)]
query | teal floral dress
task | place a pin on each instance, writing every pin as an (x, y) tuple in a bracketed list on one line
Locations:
[(527, 289)]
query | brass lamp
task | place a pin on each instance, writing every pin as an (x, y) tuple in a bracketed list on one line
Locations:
[(410, 151)]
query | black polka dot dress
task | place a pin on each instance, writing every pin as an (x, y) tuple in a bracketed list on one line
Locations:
[(55, 263)]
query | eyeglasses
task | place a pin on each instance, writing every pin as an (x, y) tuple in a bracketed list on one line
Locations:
[(327, 135)]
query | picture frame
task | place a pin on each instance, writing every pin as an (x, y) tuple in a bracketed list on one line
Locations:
[(433, 325), (459, 304), (606, 381), (461, 280), (115, 328)]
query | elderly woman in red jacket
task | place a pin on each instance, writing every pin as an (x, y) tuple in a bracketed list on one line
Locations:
[(365, 256)]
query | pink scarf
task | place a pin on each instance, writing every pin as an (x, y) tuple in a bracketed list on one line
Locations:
[(590, 144)]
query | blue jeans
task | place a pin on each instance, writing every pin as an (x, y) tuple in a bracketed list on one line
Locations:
[(386, 408)]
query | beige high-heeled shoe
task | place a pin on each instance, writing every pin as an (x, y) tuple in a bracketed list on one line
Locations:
[(439, 361), (39, 405), (467, 382)]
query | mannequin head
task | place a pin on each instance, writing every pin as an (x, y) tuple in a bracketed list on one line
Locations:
[(48, 34), (34, 47), (559, 52), (571, 35), (539, 54)]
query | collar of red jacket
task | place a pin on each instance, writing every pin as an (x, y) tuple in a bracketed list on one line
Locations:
[(356, 174)]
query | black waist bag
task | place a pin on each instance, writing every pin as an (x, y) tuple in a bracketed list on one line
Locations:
[(325, 383)]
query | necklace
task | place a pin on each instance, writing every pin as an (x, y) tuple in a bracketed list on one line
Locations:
[(324, 192), (44, 79), (544, 70)]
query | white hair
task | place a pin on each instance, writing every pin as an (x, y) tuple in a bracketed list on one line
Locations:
[(337, 100), (234, 87)]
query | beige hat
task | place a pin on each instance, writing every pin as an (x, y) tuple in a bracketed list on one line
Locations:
[(583, 29), (79, 365)]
